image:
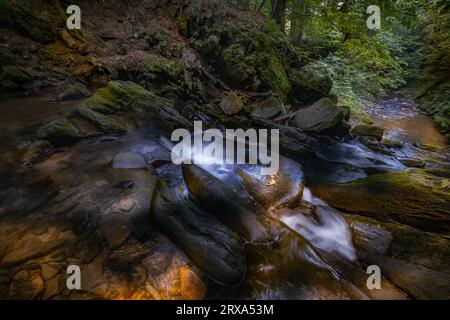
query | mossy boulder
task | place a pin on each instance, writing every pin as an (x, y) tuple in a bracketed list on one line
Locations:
[(76, 91), (231, 104), (107, 124), (60, 132), (13, 77), (322, 115), (310, 83), (414, 197), (235, 68), (367, 130)]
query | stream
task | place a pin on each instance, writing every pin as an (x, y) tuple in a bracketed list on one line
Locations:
[(50, 213)]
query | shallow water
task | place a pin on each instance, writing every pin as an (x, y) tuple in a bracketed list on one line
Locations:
[(287, 271)]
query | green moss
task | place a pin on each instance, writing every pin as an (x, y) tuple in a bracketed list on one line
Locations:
[(413, 197), (107, 124), (60, 132), (14, 76), (171, 69)]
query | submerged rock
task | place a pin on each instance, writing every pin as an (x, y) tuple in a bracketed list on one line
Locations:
[(216, 197), (35, 152), (281, 190), (129, 160), (322, 115), (413, 197), (267, 109), (231, 104), (366, 130)]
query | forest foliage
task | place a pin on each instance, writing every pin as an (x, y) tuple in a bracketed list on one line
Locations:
[(412, 48)]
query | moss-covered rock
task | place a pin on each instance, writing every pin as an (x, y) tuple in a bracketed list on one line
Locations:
[(35, 152), (165, 68), (107, 124), (311, 83), (13, 77), (60, 132), (414, 197), (401, 251), (231, 104), (366, 130), (322, 115), (77, 91)]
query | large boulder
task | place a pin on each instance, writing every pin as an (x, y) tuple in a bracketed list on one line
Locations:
[(414, 197), (284, 189), (214, 248), (214, 196), (414, 261), (322, 115), (267, 109), (311, 83)]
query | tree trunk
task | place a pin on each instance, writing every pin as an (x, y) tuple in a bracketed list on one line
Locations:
[(278, 12)]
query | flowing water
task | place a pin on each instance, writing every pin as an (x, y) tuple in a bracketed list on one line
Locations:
[(272, 274)]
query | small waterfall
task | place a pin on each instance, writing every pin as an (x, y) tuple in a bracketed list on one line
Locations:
[(330, 233)]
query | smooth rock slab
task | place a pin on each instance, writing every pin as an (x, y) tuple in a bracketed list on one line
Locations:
[(322, 115)]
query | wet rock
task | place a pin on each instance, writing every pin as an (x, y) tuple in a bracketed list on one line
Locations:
[(26, 285), (311, 83), (74, 92), (116, 228), (267, 109), (60, 132), (178, 281), (389, 143), (366, 130), (414, 261), (129, 160), (324, 114), (216, 197), (281, 190), (215, 249), (413, 197), (36, 151), (413, 163), (231, 104), (107, 124)]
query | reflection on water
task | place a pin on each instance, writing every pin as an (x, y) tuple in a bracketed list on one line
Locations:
[(403, 122)]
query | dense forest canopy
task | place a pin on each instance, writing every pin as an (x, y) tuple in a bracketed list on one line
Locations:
[(412, 47)]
